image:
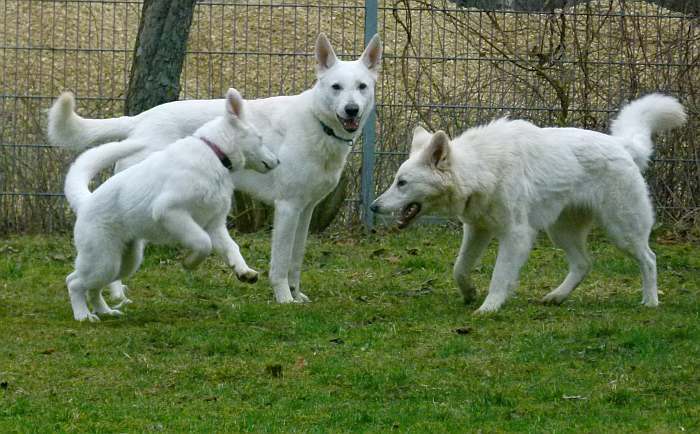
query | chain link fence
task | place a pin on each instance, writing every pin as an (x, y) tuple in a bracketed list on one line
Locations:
[(446, 65)]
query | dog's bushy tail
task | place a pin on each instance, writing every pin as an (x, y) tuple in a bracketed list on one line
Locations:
[(643, 117), (89, 163), (66, 128)]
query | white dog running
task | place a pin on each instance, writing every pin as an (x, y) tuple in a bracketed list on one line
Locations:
[(510, 179), (312, 134), (181, 194)]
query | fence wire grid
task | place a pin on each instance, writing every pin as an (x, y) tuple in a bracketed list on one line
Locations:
[(446, 65)]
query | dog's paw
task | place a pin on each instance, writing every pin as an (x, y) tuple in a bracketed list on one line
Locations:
[(111, 312), (285, 300), (488, 307), (650, 303), (122, 303), (87, 316), (554, 298), (248, 276), (193, 260), (300, 297)]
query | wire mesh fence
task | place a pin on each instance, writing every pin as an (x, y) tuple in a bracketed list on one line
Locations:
[(446, 65)]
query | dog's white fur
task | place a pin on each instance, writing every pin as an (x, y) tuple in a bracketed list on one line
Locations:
[(311, 160), (510, 179), (181, 194)]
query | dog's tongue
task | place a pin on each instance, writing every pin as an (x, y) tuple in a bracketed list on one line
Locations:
[(408, 214), (351, 124)]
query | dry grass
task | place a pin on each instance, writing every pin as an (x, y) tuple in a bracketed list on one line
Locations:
[(444, 68)]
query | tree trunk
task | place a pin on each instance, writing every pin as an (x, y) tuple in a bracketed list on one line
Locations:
[(159, 54)]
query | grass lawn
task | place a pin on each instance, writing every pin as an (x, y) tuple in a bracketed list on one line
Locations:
[(377, 350)]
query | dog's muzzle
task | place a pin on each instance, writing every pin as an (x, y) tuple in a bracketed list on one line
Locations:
[(408, 214)]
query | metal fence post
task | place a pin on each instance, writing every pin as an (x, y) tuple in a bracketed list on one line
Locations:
[(369, 131)]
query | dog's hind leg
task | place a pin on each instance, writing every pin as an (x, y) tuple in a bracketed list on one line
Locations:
[(182, 227), (628, 223), (474, 243), (99, 305), (513, 250), (78, 298), (77, 291), (131, 261), (93, 271), (569, 233), (105, 270)]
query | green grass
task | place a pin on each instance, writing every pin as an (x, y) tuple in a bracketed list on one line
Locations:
[(377, 350)]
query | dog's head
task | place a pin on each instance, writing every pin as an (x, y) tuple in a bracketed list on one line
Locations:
[(344, 92), (248, 140), (422, 183)]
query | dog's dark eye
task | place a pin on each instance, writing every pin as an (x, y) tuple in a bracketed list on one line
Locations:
[(362, 86), (336, 86), (401, 183)]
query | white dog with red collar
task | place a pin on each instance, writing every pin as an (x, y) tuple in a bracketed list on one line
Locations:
[(180, 195)]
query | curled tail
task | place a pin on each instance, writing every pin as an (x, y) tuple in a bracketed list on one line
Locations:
[(66, 128), (643, 117), (89, 163)]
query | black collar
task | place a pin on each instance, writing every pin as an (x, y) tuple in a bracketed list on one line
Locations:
[(219, 153), (329, 131)]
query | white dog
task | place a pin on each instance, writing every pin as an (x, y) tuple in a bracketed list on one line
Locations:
[(510, 179), (181, 194), (312, 133)]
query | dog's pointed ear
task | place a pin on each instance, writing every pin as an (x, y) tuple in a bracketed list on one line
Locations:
[(372, 56), (438, 151), (421, 137), (325, 56), (234, 103)]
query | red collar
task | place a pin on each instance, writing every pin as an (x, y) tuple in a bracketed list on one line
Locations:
[(219, 153)]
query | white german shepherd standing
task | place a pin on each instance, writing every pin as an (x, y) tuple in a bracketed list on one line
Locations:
[(311, 133), (510, 179)]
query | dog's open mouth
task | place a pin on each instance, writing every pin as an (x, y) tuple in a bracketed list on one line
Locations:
[(408, 214), (351, 124)]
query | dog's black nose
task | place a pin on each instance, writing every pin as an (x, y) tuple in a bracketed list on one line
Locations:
[(352, 109), (374, 207)]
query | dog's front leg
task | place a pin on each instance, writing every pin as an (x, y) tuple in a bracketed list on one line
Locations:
[(225, 246), (474, 242), (287, 215), (298, 254), (180, 225), (513, 250)]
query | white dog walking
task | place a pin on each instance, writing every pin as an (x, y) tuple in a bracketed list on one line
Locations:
[(312, 133), (181, 194), (510, 179)]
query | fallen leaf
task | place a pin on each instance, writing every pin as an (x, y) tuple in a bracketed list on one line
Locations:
[(393, 259), (274, 370), (48, 351), (402, 271), (463, 330), (378, 252), (300, 363)]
